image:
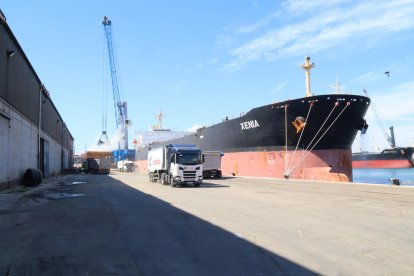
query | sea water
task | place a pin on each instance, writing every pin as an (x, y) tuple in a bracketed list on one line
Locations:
[(383, 176)]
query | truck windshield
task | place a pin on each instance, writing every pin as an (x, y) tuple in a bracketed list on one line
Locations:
[(188, 158)]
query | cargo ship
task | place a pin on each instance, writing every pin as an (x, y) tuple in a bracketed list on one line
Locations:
[(391, 158), (305, 138), (398, 157)]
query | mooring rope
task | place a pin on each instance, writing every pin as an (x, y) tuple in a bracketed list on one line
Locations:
[(310, 143), (307, 152), (300, 137)]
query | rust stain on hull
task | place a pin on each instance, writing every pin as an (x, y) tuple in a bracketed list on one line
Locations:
[(329, 165)]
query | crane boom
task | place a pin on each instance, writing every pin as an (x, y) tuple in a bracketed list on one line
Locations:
[(390, 139), (119, 106)]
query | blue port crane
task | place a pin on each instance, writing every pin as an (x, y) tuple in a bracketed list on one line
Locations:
[(120, 107)]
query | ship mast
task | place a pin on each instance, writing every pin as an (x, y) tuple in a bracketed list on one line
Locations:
[(307, 66), (159, 120), (158, 126)]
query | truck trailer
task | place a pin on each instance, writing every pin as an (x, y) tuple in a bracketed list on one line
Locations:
[(175, 164), (97, 165), (212, 164), (97, 162)]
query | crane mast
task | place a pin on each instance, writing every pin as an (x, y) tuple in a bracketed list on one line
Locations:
[(390, 139), (119, 106)]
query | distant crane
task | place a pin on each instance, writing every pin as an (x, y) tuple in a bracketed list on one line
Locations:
[(120, 107), (390, 139)]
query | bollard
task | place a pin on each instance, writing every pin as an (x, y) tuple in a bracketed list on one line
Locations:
[(395, 181)]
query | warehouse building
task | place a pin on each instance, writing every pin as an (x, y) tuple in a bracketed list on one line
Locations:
[(32, 132)]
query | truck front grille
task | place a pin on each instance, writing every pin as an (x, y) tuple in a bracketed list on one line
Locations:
[(189, 175)]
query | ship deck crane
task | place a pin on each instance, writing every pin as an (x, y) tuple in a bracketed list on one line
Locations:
[(390, 139), (120, 107)]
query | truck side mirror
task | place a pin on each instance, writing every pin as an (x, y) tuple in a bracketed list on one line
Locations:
[(203, 158), (172, 158)]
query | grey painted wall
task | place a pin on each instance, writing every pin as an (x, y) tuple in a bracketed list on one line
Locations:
[(19, 148)]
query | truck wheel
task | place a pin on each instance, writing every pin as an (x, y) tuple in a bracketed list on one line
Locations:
[(172, 182), (196, 184), (163, 179), (208, 174)]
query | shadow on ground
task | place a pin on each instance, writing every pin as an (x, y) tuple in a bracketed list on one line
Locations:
[(118, 230)]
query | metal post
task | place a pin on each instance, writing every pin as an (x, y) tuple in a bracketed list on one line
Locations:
[(39, 127)]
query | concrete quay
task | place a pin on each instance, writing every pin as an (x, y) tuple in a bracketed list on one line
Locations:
[(122, 224)]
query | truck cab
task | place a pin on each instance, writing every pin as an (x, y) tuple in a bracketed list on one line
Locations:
[(186, 166), (125, 166), (176, 164)]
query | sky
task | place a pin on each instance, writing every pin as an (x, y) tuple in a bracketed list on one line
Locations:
[(200, 61)]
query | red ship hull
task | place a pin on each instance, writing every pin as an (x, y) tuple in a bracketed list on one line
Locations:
[(382, 164), (394, 158), (325, 165)]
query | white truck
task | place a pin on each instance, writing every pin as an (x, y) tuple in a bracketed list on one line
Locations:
[(125, 166), (212, 164), (176, 164)]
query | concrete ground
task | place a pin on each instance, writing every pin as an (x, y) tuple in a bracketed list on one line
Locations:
[(122, 224)]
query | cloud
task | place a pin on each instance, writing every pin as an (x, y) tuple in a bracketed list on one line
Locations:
[(279, 88), (306, 6), (213, 61), (333, 25), (262, 23), (178, 87), (397, 103), (368, 77), (224, 40)]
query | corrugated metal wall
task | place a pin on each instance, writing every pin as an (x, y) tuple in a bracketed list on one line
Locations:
[(21, 87)]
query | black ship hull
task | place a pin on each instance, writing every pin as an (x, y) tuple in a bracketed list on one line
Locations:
[(306, 138)]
